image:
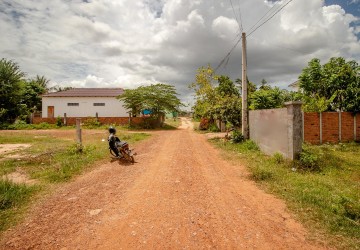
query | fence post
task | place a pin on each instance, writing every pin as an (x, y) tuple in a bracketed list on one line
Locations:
[(78, 131), (340, 126), (355, 126), (295, 129), (320, 125), (65, 120)]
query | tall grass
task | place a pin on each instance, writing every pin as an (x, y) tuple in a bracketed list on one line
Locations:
[(324, 195)]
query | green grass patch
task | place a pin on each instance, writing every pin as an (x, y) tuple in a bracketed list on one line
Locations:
[(49, 160), (323, 189), (13, 197)]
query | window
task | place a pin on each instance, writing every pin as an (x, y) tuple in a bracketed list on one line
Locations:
[(73, 104), (99, 104)]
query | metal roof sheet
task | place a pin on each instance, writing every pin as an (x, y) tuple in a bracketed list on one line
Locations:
[(87, 92)]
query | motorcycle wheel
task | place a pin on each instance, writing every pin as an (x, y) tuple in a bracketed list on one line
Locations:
[(112, 152), (127, 156)]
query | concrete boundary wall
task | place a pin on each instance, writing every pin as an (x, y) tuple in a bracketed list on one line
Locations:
[(278, 130), (102, 120)]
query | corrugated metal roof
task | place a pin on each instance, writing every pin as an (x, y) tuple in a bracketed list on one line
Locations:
[(87, 92)]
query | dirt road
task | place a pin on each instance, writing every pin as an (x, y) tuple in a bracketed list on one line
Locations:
[(179, 195)]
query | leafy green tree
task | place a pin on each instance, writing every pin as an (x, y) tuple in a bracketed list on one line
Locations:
[(268, 98), (33, 89), (159, 98), (11, 90), (337, 80)]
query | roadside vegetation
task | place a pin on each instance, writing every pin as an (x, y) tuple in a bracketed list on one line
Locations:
[(50, 159), (322, 188)]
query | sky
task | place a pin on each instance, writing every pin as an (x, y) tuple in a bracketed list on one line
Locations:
[(128, 43)]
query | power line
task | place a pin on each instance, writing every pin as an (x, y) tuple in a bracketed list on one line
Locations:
[(227, 57), (263, 16), (242, 30), (237, 20), (270, 17)]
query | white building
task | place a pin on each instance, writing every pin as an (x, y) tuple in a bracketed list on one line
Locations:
[(84, 102)]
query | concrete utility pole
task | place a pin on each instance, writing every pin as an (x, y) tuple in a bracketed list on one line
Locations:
[(244, 94)]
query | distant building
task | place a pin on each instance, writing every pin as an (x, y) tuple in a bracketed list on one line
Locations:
[(295, 86), (84, 102)]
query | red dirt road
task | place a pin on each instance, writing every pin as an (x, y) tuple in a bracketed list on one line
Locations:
[(179, 195)]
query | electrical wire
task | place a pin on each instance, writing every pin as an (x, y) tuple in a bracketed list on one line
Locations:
[(237, 20), (271, 9), (269, 18), (227, 57)]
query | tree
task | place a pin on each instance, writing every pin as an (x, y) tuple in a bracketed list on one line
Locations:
[(337, 80), (11, 90), (159, 98)]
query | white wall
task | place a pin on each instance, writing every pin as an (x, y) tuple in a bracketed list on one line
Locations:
[(113, 107)]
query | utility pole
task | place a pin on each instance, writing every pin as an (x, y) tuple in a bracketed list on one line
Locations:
[(244, 94)]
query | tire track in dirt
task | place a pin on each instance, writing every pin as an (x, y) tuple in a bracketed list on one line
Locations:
[(179, 195)]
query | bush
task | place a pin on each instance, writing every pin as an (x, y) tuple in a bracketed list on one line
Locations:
[(213, 128), (309, 159), (91, 122), (59, 122), (204, 124), (236, 136), (278, 158)]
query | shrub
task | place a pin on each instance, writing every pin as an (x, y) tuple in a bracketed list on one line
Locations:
[(204, 124), (278, 158), (91, 122), (59, 121), (236, 136), (213, 128)]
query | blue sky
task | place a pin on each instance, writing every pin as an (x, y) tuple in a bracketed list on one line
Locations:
[(126, 43)]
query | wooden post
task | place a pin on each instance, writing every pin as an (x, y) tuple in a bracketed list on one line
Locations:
[(97, 116), (65, 120), (78, 131), (245, 111)]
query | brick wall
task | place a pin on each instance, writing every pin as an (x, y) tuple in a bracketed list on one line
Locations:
[(330, 127), (102, 120), (312, 127)]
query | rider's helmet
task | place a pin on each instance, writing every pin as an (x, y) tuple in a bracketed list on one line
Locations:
[(112, 130)]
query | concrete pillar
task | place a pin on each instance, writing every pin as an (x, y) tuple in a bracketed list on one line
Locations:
[(295, 129), (78, 131), (65, 120)]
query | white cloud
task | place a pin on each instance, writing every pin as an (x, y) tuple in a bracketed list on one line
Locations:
[(107, 43)]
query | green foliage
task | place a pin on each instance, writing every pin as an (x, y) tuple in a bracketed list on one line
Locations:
[(11, 89), (19, 97), (278, 158), (216, 102), (335, 84), (59, 121), (268, 98), (236, 136), (91, 122), (213, 128), (325, 201), (159, 98)]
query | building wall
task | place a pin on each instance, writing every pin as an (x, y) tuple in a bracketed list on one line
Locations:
[(113, 107)]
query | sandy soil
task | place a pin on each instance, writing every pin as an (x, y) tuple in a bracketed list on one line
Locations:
[(180, 194)]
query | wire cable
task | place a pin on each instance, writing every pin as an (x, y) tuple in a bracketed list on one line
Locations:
[(269, 18), (227, 57), (237, 20)]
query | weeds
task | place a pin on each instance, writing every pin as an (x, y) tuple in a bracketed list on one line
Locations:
[(322, 189)]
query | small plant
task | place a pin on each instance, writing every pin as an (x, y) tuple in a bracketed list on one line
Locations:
[(309, 160), (213, 128), (278, 158), (204, 124), (260, 174), (91, 122), (59, 121), (236, 136)]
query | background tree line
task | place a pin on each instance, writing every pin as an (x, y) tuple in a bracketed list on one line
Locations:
[(333, 86), (20, 96)]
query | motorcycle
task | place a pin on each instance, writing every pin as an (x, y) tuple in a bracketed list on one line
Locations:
[(124, 150)]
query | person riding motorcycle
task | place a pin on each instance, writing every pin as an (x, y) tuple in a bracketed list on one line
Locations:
[(112, 139)]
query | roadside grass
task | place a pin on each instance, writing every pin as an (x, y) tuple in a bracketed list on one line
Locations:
[(171, 123), (324, 196), (49, 160)]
